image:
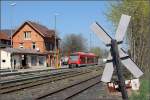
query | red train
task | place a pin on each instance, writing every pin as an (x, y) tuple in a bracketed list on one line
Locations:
[(78, 59)]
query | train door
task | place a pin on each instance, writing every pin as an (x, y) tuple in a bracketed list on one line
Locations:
[(82, 60)]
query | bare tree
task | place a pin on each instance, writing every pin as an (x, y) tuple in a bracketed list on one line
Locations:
[(99, 52), (73, 43), (138, 31)]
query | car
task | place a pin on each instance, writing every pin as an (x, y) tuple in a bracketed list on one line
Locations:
[(64, 60)]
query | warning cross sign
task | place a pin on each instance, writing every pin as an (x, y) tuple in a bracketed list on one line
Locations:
[(116, 55)]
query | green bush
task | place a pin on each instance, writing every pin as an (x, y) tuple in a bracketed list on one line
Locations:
[(143, 93)]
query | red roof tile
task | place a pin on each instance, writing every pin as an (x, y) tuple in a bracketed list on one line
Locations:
[(42, 29), (4, 36)]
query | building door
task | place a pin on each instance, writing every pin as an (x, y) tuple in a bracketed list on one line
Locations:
[(24, 61), (33, 60), (14, 63)]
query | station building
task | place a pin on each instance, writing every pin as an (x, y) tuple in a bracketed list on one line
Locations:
[(21, 58), (34, 36)]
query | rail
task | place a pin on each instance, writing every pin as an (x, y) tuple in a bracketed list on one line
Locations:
[(22, 83), (72, 90), (37, 71), (19, 73)]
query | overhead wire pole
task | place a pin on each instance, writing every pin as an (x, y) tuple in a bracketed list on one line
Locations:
[(90, 41), (55, 43), (118, 66), (56, 55), (12, 5)]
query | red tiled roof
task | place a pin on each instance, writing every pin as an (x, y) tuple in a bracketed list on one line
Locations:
[(8, 31), (44, 31), (4, 36)]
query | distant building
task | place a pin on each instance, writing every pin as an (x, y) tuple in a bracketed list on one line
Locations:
[(18, 58), (31, 35), (4, 39)]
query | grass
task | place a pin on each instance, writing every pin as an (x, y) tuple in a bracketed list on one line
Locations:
[(143, 93)]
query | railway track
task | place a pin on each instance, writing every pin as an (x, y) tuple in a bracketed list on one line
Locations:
[(69, 92), (13, 73), (27, 82)]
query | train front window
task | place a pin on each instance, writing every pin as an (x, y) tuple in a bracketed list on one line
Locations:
[(74, 57)]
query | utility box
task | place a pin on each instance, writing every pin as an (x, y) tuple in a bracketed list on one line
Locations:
[(135, 83)]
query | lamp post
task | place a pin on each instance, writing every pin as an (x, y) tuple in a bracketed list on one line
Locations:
[(90, 41), (12, 5), (56, 56)]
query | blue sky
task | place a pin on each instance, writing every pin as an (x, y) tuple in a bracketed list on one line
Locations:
[(74, 16)]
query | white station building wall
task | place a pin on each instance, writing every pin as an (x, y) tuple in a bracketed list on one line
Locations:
[(16, 61), (32, 60), (5, 60)]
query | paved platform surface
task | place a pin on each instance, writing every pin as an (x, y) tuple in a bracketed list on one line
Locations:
[(40, 68)]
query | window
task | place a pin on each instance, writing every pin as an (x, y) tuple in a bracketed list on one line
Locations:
[(27, 35), (74, 57), (83, 59), (41, 60), (3, 60), (49, 46), (33, 60), (21, 45), (90, 60), (33, 45)]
